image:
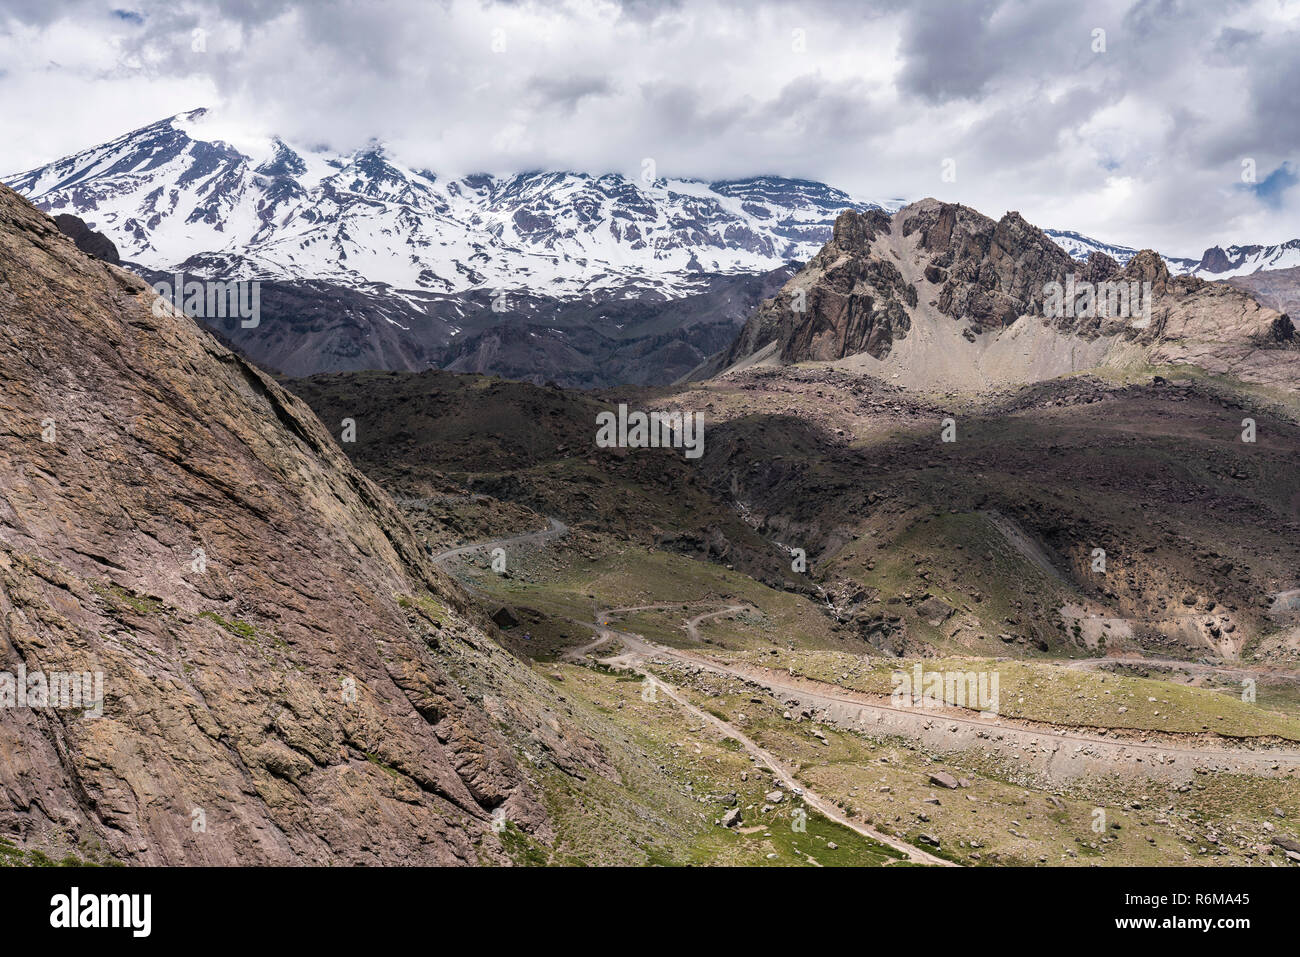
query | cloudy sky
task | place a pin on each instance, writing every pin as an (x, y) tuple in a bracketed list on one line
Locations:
[(1134, 121)]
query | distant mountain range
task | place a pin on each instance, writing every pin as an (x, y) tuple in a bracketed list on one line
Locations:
[(1080, 247), (367, 262), (172, 195), (1216, 263)]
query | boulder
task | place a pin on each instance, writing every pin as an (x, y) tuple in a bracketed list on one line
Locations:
[(1286, 842), (505, 617)]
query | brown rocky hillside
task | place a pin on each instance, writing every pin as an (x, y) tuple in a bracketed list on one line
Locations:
[(312, 691)]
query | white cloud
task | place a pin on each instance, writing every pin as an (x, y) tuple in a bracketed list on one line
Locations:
[(1140, 144)]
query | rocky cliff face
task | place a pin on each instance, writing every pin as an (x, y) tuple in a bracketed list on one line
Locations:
[(844, 301), (939, 294), (989, 273), (860, 293), (285, 677)]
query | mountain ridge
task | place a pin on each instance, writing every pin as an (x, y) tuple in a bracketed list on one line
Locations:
[(172, 199), (586, 280), (477, 231), (940, 295)]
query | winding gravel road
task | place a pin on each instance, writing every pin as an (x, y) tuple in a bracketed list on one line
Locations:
[(1046, 749), (1057, 753), (555, 529)]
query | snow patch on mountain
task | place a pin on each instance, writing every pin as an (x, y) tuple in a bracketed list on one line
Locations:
[(192, 192), (1218, 262)]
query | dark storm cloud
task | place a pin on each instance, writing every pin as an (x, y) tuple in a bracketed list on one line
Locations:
[(1232, 42), (949, 52)]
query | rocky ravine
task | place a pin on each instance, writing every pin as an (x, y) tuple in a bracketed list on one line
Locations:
[(308, 689)]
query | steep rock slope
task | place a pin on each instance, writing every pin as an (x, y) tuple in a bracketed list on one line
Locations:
[(304, 689), (1278, 288), (839, 304)]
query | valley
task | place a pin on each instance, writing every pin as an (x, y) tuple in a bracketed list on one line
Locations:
[(974, 556)]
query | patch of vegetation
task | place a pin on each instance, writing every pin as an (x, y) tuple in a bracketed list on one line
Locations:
[(386, 768), (120, 597), (523, 850), (426, 604), (13, 856), (665, 808), (240, 629)]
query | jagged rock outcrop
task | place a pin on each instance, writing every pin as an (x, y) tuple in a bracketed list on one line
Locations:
[(285, 676), (843, 302), (1216, 327), (861, 292), (990, 273), (1099, 267), (939, 295), (1149, 266), (1282, 330)]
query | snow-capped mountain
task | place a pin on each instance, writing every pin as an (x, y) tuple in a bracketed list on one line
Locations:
[(173, 194), (1217, 262), (1080, 247), (1221, 263), (368, 262)]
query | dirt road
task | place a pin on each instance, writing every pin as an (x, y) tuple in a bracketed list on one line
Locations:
[(1056, 753), (555, 529), (1047, 750), (783, 774)]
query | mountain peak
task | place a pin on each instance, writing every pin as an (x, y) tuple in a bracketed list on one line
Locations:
[(855, 229), (1221, 262)]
